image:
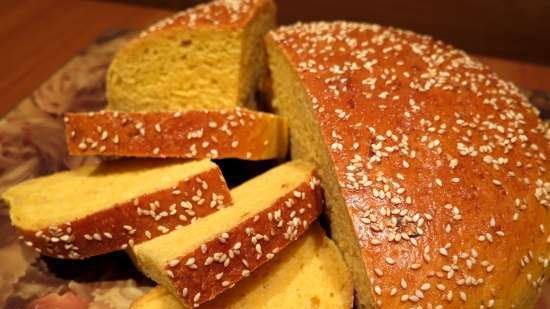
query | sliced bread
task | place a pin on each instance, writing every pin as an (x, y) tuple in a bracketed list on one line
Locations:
[(209, 56), (202, 260), (105, 207), (309, 273), (235, 133), (435, 169)]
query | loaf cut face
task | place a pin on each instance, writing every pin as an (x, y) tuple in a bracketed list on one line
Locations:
[(435, 169), (200, 261), (218, 134), (105, 207), (209, 56), (309, 273)]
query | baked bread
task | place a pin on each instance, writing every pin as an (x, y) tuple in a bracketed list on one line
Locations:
[(284, 282), (105, 207), (200, 261), (236, 133), (209, 56), (435, 170)]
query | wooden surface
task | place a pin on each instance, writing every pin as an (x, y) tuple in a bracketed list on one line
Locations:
[(39, 36)]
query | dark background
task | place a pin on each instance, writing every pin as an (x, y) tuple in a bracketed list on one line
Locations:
[(514, 29)]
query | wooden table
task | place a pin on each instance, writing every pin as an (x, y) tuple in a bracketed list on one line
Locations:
[(38, 36)]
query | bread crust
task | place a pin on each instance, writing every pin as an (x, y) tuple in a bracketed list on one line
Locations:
[(442, 165), (218, 264), (220, 14), (135, 221), (234, 133)]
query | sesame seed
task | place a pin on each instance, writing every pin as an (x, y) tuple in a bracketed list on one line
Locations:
[(190, 261), (173, 263), (82, 146), (197, 297), (403, 284)]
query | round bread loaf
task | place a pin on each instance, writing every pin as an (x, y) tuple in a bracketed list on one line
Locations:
[(435, 169)]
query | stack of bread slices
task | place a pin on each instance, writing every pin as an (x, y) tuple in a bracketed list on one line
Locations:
[(180, 95), (435, 171)]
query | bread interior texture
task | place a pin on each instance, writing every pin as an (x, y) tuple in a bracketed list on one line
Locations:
[(190, 68), (292, 101), (72, 195), (175, 67), (284, 281), (249, 199)]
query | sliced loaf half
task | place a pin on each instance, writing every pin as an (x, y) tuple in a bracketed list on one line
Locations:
[(234, 133), (209, 56), (309, 273), (208, 257), (105, 207), (435, 169)]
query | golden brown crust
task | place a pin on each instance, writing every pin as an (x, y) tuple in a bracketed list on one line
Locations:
[(231, 14), (235, 133), (220, 263), (443, 166), (135, 221)]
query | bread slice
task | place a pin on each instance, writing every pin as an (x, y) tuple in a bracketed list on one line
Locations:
[(209, 56), (435, 169), (284, 282), (105, 207), (208, 257), (235, 133)]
